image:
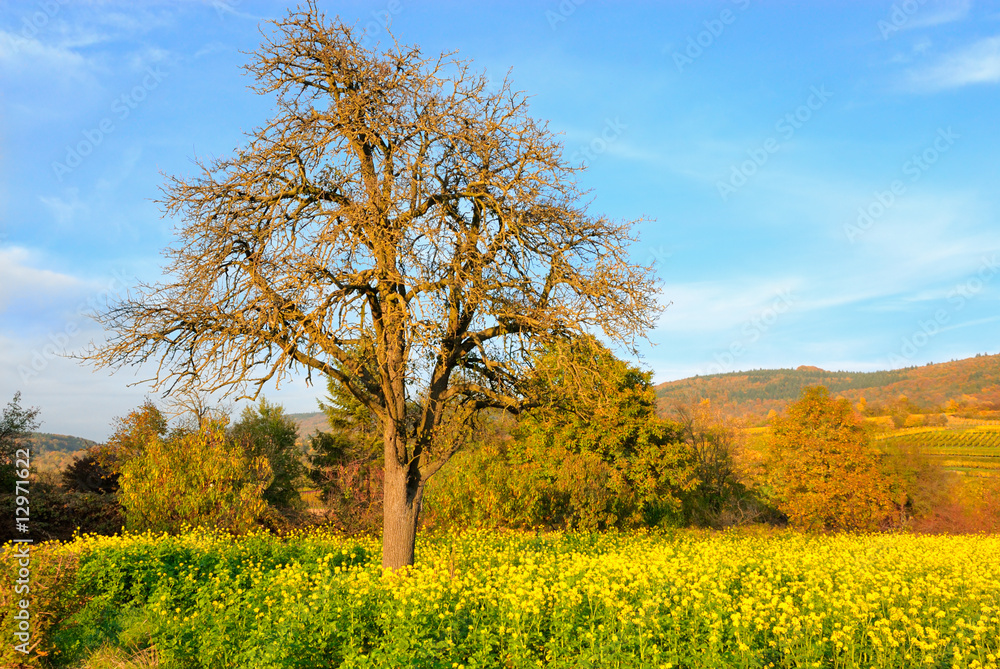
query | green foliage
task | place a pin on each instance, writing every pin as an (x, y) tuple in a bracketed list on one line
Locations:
[(129, 590), (592, 455), (16, 425), (503, 600), (265, 431), (87, 474), (190, 479)]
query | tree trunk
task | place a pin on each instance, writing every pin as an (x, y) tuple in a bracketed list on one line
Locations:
[(404, 492)]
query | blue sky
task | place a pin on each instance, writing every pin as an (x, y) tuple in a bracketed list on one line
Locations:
[(818, 181)]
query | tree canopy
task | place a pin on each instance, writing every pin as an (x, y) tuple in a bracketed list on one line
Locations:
[(821, 468), (398, 225)]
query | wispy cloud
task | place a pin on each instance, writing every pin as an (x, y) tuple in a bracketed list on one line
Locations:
[(65, 210), (17, 51), (20, 279), (978, 63), (717, 306), (945, 12)]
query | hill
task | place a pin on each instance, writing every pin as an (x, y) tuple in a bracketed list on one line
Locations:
[(52, 452), (43, 442), (972, 384), (309, 423)]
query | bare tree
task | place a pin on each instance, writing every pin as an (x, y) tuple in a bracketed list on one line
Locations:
[(397, 226)]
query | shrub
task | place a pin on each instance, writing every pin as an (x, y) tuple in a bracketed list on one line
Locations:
[(87, 474), (197, 478), (58, 515), (718, 493), (350, 481)]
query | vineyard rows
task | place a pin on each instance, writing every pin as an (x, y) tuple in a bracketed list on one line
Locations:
[(970, 449)]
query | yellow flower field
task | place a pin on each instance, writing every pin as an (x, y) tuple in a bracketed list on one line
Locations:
[(488, 599)]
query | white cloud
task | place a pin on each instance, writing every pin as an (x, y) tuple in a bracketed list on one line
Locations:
[(978, 63), (717, 306), (20, 280), (19, 53), (33, 297), (66, 210)]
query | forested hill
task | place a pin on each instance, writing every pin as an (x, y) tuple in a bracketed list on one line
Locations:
[(42, 442), (973, 382)]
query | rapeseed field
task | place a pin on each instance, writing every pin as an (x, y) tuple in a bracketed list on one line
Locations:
[(513, 599)]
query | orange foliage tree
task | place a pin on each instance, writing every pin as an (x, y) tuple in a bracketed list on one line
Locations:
[(820, 468)]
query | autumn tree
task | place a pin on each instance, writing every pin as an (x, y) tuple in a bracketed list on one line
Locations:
[(130, 436), (821, 469), (397, 204), (194, 478)]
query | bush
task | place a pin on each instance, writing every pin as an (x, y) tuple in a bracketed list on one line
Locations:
[(718, 493), (594, 455), (350, 482), (198, 478), (58, 515), (347, 463), (87, 474)]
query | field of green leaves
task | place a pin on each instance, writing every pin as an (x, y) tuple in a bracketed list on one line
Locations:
[(500, 599)]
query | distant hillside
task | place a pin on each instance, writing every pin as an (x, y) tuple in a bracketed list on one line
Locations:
[(52, 452), (42, 442), (309, 423), (972, 382)]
